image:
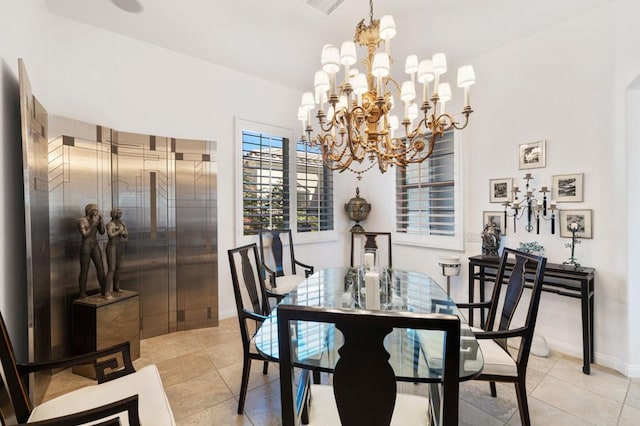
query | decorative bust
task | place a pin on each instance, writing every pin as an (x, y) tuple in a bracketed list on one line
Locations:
[(491, 239)]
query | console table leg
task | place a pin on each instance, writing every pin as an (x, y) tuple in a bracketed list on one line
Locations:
[(592, 297), (586, 331), (471, 291)]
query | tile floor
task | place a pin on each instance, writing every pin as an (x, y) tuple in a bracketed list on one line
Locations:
[(201, 371)]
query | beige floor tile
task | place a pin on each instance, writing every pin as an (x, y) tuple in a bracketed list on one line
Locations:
[(184, 367), (613, 386), (192, 396), (472, 416), (226, 353), (263, 405), (232, 375), (585, 404), (543, 364), (224, 413), (477, 394), (630, 416), (541, 413), (534, 377), (633, 395)]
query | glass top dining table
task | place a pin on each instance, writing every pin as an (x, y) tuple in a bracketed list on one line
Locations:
[(415, 355)]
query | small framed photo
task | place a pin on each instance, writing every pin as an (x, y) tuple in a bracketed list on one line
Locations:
[(500, 190), (494, 217), (583, 223), (568, 188), (532, 155)]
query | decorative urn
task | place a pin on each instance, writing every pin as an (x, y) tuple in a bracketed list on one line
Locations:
[(358, 209)]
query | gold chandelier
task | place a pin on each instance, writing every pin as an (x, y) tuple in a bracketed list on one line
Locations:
[(354, 112)]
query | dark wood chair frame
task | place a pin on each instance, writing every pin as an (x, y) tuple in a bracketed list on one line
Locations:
[(364, 383), (277, 252), (527, 267), (371, 242), (15, 374), (260, 309)]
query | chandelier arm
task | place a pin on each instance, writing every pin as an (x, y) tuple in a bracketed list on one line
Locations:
[(416, 132), (391, 79), (460, 127), (329, 125), (332, 161)]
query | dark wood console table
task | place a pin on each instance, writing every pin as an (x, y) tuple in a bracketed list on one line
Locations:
[(564, 280)]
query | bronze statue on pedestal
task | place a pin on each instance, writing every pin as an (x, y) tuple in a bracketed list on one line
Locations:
[(117, 233), (89, 226)]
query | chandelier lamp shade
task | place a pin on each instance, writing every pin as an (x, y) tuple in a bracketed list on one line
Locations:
[(354, 110)]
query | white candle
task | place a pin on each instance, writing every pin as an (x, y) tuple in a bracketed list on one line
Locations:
[(372, 289), (368, 261)]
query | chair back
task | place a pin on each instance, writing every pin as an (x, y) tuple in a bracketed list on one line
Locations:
[(363, 381), (276, 251), (248, 287), (371, 242), (13, 384), (518, 270)]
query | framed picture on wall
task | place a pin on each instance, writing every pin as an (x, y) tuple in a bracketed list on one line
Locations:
[(532, 155), (500, 190), (582, 220), (495, 217), (568, 188)]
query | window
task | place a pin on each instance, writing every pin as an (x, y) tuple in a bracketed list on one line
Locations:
[(427, 198), (271, 167), (265, 182), (314, 190)]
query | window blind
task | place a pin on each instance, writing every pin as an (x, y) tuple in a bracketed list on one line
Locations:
[(314, 190), (265, 182), (425, 202)]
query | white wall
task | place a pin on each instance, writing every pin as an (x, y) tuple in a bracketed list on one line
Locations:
[(626, 107), (556, 85), (23, 27)]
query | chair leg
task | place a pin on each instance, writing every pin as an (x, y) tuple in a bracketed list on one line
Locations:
[(523, 406), (246, 368), (492, 386), (316, 377), (265, 368)]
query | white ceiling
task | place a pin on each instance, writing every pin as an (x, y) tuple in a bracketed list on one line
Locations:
[(280, 40)]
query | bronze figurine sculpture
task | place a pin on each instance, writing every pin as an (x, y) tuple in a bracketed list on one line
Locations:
[(89, 226), (117, 233)]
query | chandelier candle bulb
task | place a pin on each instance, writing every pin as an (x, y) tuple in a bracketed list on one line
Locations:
[(372, 289), (444, 92), (411, 67), (466, 78)]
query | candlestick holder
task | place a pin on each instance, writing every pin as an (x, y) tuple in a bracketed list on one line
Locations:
[(574, 227), (530, 207)]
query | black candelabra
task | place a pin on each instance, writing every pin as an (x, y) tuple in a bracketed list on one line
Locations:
[(530, 207), (574, 227)]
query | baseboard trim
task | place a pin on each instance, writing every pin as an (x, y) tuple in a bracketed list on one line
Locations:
[(608, 361)]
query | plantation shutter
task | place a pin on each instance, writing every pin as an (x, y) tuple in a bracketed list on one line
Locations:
[(425, 201), (265, 182)]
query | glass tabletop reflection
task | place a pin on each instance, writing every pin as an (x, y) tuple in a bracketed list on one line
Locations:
[(415, 355)]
